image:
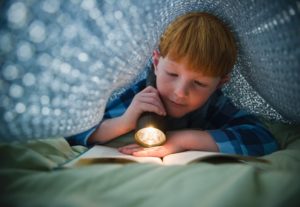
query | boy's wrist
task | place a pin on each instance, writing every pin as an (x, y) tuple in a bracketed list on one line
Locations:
[(127, 123), (193, 140), (176, 141)]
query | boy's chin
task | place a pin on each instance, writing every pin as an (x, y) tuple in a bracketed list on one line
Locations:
[(176, 114)]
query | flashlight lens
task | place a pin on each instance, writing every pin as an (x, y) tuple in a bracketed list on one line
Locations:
[(150, 137)]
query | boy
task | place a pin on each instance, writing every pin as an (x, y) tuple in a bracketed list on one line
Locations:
[(195, 57)]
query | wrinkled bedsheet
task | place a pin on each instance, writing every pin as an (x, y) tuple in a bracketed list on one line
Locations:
[(30, 176)]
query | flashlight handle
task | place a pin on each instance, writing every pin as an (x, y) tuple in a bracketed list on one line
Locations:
[(151, 119), (155, 119), (151, 78)]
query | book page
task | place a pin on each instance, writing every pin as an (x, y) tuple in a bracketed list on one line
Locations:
[(103, 154), (210, 157), (183, 158)]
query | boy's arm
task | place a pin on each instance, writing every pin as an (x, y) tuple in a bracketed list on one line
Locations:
[(147, 100), (101, 133), (234, 132), (104, 132), (245, 139), (110, 129), (114, 109), (238, 132)]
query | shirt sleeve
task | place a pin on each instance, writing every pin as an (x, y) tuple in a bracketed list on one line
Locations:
[(81, 138), (238, 132), (114, 108)]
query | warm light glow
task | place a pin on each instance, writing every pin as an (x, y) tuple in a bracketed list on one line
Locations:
[(149, 137)]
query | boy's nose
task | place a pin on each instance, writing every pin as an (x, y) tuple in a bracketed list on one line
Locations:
[(181, 90)]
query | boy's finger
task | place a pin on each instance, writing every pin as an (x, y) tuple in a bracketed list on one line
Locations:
[(129, 149), (129, 146), (149, 89), (153, 108), (156, 109), (153, 152), (150, 102)]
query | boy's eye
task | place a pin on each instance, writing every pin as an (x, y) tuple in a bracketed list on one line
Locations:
[(172, 74), (197, 83)]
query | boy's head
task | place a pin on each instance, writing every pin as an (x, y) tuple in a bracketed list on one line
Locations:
[(203, 40), (196, 54)]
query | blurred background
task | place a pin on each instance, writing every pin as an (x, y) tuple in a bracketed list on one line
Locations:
[(61, 61)]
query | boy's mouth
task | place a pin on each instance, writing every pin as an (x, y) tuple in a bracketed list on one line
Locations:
[(175, 109), (176, 104)]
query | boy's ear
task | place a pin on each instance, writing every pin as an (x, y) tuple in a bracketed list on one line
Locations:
[(224, 80), (155, 58)]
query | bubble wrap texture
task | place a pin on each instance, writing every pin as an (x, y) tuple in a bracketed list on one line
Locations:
[(61, 60)]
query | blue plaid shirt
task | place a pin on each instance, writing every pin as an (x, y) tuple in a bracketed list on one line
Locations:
[(234, 131)]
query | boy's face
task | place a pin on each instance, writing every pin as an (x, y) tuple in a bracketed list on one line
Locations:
[(182, 90)]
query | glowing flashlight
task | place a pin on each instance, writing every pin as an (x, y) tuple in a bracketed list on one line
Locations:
[(150, 126), (150, 130)]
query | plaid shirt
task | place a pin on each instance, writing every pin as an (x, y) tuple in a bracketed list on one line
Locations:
[(234, 131)]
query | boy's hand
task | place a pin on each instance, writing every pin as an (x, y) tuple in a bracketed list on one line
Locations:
[(147, 100), (177, 141), (137, 150), (171, 146)]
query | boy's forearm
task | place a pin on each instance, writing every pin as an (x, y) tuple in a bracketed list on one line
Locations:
[(195, 140), (110, 129)]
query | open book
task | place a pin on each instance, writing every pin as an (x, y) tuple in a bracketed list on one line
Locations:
[(103, 154)]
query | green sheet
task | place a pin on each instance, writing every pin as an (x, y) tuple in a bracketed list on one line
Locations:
[(29, 177)]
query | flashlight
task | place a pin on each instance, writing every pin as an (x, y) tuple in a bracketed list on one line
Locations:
[(150, 130)]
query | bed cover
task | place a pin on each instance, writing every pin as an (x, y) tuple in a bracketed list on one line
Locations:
[(29, 177)]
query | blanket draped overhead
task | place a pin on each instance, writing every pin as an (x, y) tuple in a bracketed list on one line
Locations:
[(61, 60)]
